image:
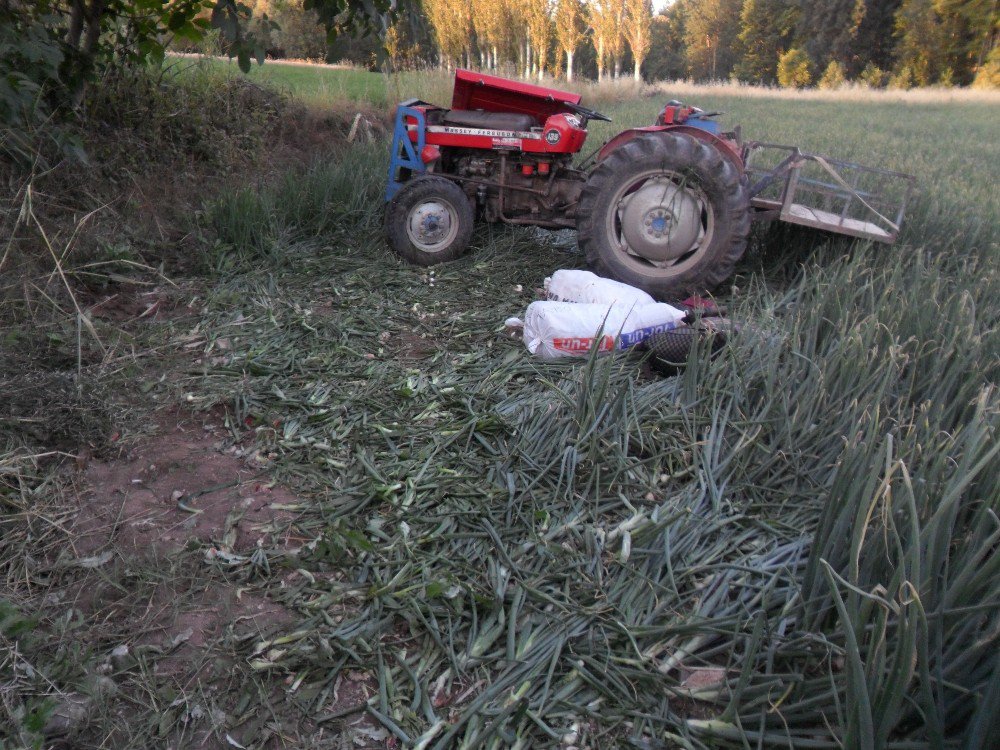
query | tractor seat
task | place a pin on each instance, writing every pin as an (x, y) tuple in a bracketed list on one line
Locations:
[(477, 118)]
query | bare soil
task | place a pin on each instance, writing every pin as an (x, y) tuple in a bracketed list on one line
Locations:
[(180, 486)]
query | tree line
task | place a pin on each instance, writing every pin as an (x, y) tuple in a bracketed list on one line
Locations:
[(792, 42), (902, 43)]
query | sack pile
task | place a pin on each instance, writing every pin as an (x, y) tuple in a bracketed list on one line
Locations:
[(584, 311)]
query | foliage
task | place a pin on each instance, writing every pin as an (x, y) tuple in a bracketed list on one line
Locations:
[(767, 27), (741, 38), (902, 78), (49, 50), (873, 76), (874, 43), (404, 52), (972, 33), (30, 59), (540, 33), (638, 20), (828, 30), (491, 20), (667, 60), (920, 50), (794, 69), (359, 17), (833, 77), (286, 29), (935, 37), (711, 32), (569, 30), (988, 76), (451, 21), (32, 69), (605, 18)]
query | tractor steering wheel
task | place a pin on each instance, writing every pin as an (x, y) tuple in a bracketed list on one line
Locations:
[(586, 113)]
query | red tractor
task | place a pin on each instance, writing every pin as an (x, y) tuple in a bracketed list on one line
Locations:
[(666, 208)]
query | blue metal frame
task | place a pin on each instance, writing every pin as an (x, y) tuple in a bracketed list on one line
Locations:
[(405, 154), (703, 123)]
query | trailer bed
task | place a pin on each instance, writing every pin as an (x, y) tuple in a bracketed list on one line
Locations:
[(816, 218)]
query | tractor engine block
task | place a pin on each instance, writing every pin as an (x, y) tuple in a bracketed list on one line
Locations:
[(518, 188)]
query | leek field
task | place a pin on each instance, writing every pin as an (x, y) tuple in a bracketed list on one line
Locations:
[(793, 545)]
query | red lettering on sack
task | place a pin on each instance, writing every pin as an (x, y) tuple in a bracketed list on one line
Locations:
[(579, 345)]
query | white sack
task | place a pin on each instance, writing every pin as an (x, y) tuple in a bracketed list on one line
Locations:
[(586, 287), (567, 329)]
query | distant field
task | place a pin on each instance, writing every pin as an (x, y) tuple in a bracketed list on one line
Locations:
[(313, 83)]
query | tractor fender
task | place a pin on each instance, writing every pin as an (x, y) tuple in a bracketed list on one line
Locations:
[(727, 148)]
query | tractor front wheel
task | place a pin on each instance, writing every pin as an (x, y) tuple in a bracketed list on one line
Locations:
[(666, 213), (429, 221)]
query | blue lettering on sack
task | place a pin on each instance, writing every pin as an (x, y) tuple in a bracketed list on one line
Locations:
[(625, 340)]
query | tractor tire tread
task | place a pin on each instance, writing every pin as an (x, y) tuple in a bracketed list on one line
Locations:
[(673, 151), (397, 211)]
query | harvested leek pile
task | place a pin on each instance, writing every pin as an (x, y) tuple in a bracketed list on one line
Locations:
[(792, 545)]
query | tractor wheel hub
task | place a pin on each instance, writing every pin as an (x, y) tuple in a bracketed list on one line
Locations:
[(661, 221), (431, 225)]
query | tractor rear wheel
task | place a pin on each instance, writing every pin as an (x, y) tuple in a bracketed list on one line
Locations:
[(429, 221), (666, 213)]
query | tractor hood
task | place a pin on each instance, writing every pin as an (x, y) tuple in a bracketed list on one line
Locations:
[(495, 94)]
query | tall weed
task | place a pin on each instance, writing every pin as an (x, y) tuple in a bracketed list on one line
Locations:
[(337, 196)]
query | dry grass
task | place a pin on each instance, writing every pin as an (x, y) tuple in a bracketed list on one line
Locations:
[(935, 95)]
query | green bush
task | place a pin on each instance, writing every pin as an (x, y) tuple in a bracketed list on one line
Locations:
[(903, 78), (988, 76), (794, 69), (833, 77), (32, 68), (873, 76), (30, 57)]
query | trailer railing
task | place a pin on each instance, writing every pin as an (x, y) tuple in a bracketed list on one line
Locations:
[(794, 186)]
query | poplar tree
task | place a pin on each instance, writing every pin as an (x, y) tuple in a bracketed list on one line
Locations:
[(570, 31), (451, 21), (638, 23), (596, 17), (616, 36), (492, 22), (539, 32)]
